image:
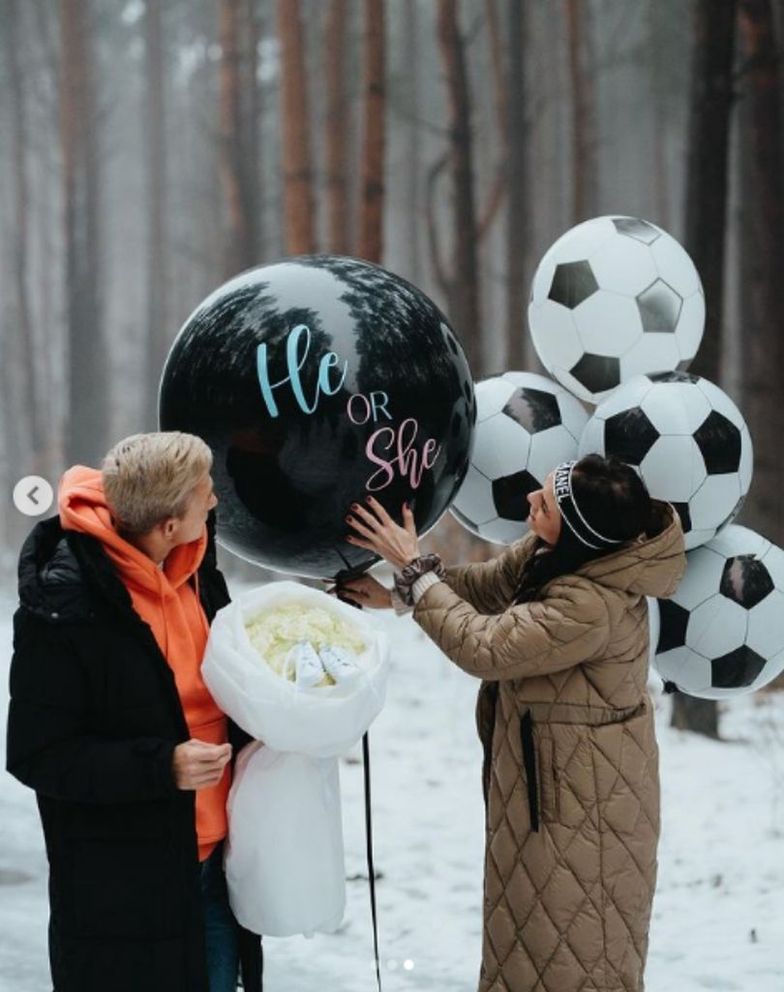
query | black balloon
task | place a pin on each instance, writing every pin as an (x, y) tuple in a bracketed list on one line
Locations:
[(316, 381)]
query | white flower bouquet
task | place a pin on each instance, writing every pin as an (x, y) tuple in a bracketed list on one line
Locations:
[(284, 857)]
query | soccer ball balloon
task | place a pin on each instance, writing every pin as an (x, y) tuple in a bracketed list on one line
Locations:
[(688, 441), (722, 633), (612, 298), (526, 425)]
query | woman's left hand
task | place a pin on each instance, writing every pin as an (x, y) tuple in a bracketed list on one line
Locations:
[(377, 531)]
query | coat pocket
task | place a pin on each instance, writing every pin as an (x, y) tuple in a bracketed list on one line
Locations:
[(541, 774), (548, 780)]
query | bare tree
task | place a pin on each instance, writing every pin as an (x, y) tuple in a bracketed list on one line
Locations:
[(493, 199), (706, 225), (239, 250), (462, 284), (762, 261), (410, 83), (707, 165), (88, 387), (43, 62), (371, 215), (157, 227), (295, 124), (516, 189), (26, 388), (336, 127), (250, 130), (659, 70), (581, 78)]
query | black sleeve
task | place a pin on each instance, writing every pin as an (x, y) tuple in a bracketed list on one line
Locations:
[(49, 747)]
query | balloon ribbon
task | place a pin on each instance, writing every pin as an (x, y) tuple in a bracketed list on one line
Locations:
[(369, 836)]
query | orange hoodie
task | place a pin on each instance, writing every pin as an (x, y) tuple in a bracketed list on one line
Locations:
[(166, 600)]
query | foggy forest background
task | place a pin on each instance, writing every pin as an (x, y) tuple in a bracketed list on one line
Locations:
[(151, 148)]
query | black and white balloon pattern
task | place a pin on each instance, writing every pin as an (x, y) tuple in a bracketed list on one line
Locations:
[(612, 298), (688, 441), (526, 424), (722, 633)]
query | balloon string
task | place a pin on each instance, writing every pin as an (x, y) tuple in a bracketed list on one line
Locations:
[(368, 822), (369, 836)]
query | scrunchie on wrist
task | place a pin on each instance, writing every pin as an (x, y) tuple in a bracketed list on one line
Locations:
[(415, 569)]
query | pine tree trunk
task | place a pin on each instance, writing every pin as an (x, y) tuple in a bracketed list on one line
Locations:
[(517, 216), (659, 65), (87, 414), (706, 224), (336, 128), (490, 208), (708, 166), (46, 217), (413, 166), (250, 130), (762, 261), (762, 254), (581, 79), (464, 308), (700, 716), (298, 205), (238, 253), (371, 215), (158, 336), (28, 421)]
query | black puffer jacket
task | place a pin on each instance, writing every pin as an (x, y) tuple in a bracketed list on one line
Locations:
[(93, 721)]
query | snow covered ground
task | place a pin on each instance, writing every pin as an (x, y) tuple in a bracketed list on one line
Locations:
[(719, 911)]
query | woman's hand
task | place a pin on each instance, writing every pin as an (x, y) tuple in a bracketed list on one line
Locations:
[(378, 532), (364, 591)]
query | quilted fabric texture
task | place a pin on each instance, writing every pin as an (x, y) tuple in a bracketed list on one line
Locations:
[(571, 762)]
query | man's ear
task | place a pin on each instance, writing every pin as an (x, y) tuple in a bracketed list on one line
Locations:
[(169, 527)]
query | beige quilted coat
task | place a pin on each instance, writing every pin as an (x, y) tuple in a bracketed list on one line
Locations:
[(571, 762)]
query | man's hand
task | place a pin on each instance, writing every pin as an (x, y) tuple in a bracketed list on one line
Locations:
[(198, 765)]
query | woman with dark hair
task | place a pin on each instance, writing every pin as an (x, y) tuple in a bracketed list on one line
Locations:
[(557, 629)]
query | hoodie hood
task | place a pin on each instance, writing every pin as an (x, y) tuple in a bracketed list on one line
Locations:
[(647, 567), (83, 508)]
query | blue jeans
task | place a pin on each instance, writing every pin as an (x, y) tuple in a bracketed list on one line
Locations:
[(223, 957)]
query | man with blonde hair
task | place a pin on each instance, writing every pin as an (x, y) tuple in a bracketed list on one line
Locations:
[(111, 724)]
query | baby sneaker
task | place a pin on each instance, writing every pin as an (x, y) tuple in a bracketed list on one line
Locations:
[(308, 670), (338, 664)]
